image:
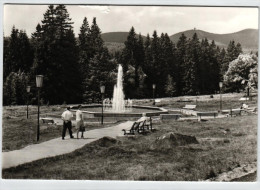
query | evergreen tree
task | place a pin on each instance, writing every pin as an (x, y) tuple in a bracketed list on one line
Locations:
[(180, 59), (95, 38), (6, 66), (56, 57), (26, 52), (84, 53), (133, 56), (170, 87), (19, 53), (139, 58), (192, 78), (214, 76), (95, 62), (14, 88)]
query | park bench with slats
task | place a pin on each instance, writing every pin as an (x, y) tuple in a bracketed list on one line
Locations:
[(190, 107), (48, 120), (140, 127), (208, 114), (233, 112), (170, 116), (133, 129)]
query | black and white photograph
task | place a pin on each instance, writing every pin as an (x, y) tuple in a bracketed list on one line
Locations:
[(130, 92)]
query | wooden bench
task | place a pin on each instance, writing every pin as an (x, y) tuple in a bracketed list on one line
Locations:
[(210, 113), (48, 120), (140, 127), (134, 128), (170, 116), (190, 107), (234, 112)]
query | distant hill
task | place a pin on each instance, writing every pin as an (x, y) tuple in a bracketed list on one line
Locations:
[(248, 38)]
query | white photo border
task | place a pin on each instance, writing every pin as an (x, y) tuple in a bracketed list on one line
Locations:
[(122, 185)]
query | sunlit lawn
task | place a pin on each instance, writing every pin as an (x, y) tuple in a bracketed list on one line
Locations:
[(223, 145)]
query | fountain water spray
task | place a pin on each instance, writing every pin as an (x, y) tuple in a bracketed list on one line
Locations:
[(118, 95)]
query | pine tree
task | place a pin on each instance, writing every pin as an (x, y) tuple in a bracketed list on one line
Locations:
[(180, 59), (139, 58), (192, 78), (18, 53), (84, 53), (95, 61), (214, 70), (26, 52), (95, 38), (6, 66), (14, 88), (170, 87), (56, 57)]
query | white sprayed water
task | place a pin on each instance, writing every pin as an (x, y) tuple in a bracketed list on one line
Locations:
[(118, 95)]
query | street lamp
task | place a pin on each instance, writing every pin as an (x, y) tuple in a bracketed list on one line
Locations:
[(154, 86), (39, 80), (28, 88), (220, 93), (102, 90)]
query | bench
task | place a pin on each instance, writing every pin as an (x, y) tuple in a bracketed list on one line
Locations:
[(140, 127), (190, 107), (210, 113), (235, 112), (48, 120), (170, 116), (134, 128)]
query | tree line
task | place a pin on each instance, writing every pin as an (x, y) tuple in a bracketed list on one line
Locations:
[(190, 67), (75, 68)]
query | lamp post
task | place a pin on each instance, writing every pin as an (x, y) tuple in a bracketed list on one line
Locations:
[(28, 88), (154, 86), (39, 80), (220, 93), (102, 90)]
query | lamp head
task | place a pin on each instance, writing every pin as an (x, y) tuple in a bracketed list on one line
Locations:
[(102, 89), (39, 80), (220, 84), (28, 88)]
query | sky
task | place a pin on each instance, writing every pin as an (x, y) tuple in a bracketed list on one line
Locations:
[(145, 19)]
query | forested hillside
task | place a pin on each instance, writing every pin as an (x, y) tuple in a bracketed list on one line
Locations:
[(75, 66)]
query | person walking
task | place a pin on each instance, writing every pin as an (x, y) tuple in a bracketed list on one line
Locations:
[(67, 117), (79, 122)]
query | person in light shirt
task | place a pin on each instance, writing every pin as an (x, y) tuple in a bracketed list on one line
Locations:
[(144, 117), (79, 122), (67, 117)]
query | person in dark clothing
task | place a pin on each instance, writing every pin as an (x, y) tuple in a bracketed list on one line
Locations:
[(67, 117)]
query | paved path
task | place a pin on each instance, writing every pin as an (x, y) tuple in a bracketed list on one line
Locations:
[(58, 146)]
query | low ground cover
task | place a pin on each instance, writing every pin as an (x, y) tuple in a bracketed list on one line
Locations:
[(18, 131), (223, 145), (204, 102)]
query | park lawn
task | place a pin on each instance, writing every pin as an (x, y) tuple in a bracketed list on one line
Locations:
[(19, 132), (224, 144), (204, 102)]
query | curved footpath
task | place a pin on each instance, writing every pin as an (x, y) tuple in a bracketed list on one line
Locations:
[(58, 146)]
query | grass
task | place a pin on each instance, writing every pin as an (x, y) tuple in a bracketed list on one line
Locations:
[(19, 132), (220, 149), (204, 102)]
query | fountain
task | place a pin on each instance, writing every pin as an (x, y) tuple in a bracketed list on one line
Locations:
[(118, 105)]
